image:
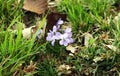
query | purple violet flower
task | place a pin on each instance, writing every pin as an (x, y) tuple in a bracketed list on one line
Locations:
[(38, 36), (66, 37), (68, 31), (53, 35), (59, 22)]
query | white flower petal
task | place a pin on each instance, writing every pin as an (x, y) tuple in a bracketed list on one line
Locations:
[(54, 28), (65, 43), (60, 22), (68, 30), (53, 42), (61, 42)]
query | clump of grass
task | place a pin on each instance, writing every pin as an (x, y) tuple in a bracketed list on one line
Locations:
[(47, 68), (80, 13), (87, 16), (14, 51), (76, 13), (10, 9)]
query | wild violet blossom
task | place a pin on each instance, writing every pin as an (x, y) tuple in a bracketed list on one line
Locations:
[(64, 38), (59, 23), (53, 35), (39, 33)]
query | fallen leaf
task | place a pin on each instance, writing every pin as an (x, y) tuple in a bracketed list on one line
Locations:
[(71, 54), (104, 36), (30, 68), (116, 19), (29, 32), (114, 69), (54, 3), (96, 59), (111, 47), (72, 49), (64, 69), (36, 6), (87, 37)]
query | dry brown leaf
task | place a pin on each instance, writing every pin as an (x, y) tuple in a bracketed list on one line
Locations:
[(116, 19), (54, 3), (36, 6), (104, 36), (28, 32), (72, 49), (71, 54), (65, 69), (114, 69), (30, 68), (96, 59), (87, 37), (111, 47)]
